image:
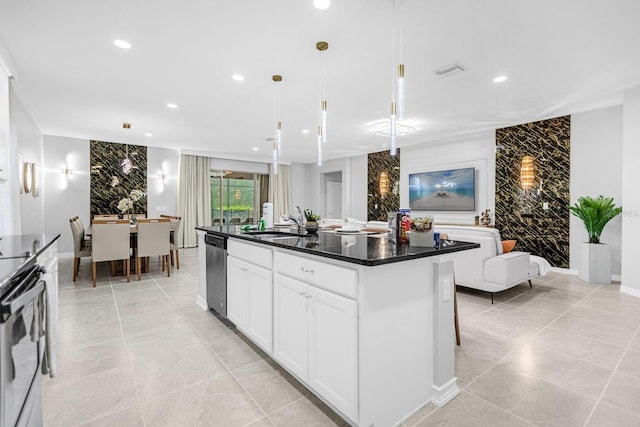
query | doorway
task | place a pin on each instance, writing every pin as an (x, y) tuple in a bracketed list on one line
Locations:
[(236, 197), (333, 194)]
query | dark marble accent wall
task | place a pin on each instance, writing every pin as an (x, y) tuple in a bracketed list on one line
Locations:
[(109, 183), (379, 204), (519, 214)]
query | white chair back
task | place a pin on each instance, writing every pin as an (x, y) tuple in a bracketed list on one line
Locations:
[(153, 237), (110, 239)]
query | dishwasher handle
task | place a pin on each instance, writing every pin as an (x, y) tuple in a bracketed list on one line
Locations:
[(217, 241)]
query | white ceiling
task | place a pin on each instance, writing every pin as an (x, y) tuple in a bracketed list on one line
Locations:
[(561, 57)]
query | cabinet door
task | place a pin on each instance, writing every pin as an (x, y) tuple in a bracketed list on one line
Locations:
[(237, 291), (333, 349), (259, 325), (290, 325)]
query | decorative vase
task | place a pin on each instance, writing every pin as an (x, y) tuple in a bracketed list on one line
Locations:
[(311, 226)]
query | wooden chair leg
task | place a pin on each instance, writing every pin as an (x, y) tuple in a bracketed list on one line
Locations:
[(177, 259), (163, 258), (138, 268), (76, 265), (93, 273), (128, 266), (455, 314), (171, 252), (168, 266)]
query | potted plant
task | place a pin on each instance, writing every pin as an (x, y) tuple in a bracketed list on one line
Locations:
[(311, 221), (595, 257)]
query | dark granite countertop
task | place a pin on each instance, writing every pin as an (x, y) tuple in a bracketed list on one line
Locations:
[(19, 250), (355, 248)]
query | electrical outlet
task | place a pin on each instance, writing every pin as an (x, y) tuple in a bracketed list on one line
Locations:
[(446, 290)]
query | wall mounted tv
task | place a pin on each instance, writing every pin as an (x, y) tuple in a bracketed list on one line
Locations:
[(448, 190)]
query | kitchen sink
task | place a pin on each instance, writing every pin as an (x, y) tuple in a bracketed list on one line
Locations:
[(275, 234)]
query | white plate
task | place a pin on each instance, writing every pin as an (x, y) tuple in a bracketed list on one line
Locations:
[(342, 230)]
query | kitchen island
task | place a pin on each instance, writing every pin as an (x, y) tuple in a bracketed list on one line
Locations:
[(365, 324)]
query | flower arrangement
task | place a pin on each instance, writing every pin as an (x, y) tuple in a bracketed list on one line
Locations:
[(310, 216), (126, 204)]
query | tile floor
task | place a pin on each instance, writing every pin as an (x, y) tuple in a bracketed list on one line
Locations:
[(564, 353)]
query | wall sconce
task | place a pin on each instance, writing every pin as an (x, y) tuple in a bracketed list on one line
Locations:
[(527, 175), (67, 172), (384, 183), (27, 177)]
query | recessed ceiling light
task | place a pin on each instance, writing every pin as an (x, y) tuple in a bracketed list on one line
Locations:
[(238, 77), (172, 105), (321, 4), (383, 127), (500, 79), (305, 130), (122, 44), (148, 134), (255, 148)]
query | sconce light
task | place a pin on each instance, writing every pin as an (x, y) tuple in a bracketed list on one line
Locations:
[(67, 172), (527, 175), (384, 183), (162, 177), (27, 177)]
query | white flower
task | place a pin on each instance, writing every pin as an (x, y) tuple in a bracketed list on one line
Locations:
[(125, 205), (136, 195)]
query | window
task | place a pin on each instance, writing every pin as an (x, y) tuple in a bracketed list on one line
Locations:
[(233, 197)]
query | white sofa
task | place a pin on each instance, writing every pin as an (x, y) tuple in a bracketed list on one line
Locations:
[(487, 268)]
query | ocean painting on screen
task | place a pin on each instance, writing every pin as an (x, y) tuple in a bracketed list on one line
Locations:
[(450, 190)]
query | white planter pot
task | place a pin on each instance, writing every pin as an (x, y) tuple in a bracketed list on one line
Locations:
[(595, 263)]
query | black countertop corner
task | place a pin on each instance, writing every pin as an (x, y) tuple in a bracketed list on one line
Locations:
[(355, 248), (19, 250)]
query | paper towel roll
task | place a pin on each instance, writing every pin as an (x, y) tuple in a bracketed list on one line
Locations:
[(267, 214)]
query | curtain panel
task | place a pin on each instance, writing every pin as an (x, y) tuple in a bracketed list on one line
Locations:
[(279, 191), (194, 198)]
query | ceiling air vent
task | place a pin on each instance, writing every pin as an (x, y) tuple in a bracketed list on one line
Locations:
[(449, 70)]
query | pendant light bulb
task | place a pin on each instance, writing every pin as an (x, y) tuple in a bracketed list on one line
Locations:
[(393, 147), (322, 46), (279, 138), (275, 159)]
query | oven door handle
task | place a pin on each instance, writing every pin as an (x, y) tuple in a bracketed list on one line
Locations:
[(10, 306)]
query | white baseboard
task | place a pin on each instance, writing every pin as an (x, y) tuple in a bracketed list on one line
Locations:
[(441, 395), (630, 291), (200, 302)]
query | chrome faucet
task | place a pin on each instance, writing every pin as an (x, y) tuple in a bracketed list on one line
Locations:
[(298, 220)]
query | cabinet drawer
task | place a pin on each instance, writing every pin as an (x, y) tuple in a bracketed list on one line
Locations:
[(255, 255), (328, 276)]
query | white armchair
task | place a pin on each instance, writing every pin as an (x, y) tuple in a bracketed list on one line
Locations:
[(487, 268)]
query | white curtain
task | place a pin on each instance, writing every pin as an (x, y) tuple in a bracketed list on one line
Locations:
[(279, 191), (194, 198)]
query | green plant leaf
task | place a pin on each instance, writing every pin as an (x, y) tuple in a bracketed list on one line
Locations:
[(595, 213)]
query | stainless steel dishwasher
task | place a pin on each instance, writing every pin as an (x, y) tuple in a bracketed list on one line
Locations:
[(216, 273)]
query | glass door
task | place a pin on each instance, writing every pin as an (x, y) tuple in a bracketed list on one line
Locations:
[(235, 198)]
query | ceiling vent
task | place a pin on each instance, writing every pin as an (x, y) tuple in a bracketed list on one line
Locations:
[(449, 70)]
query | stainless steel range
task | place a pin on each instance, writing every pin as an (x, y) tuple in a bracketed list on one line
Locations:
[(21, 346)]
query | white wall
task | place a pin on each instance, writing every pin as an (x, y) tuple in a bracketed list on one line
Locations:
[(630, 192), (476, 150), (29, 143), (67, 197), (307, 185), (596, 162), (162, 193)]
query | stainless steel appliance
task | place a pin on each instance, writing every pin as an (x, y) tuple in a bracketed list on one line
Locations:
[(21, 346), (216, 273)]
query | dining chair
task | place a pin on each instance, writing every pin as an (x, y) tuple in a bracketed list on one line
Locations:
[(81, 246), (174, 226), (110, 243), (153, 240), (234, 221), (108, 216)]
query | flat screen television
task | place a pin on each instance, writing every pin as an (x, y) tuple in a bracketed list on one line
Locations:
[(448, 190)]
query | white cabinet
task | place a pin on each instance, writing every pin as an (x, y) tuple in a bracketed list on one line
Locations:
[(316, 338), (250, 301)]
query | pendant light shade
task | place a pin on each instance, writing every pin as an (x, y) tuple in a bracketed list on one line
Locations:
[(393, 145), (397, 91)]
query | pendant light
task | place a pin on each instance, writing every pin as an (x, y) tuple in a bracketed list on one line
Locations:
[(397, 17), (322, 131), (277, 141), (397, 88), (126, 164)]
